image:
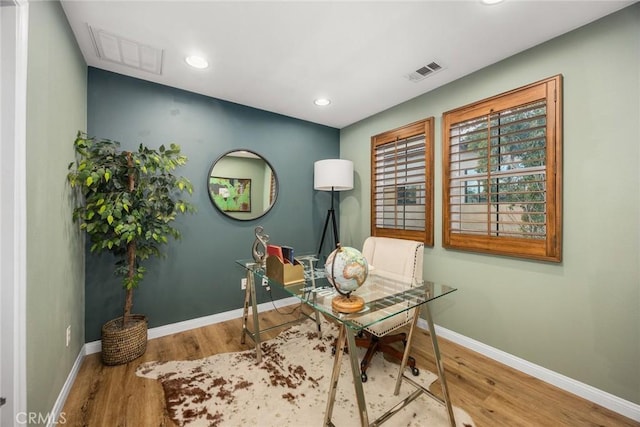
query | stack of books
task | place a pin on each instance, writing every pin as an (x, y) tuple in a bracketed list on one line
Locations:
[(284, 253), (282, 267)]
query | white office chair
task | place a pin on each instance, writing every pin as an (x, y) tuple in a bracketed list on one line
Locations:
[(400, 260)]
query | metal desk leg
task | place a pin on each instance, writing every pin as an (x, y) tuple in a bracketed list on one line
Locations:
[(335, 374), (439, 365), (317, 316), (245, 310), (355, 370), (357, 379), (407, 349), (250, 298), (254, 313), (315, 298)]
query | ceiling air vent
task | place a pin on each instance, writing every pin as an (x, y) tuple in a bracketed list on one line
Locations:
[(424, 71), (119, 50)]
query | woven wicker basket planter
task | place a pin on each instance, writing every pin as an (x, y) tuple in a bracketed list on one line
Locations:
[(122, 345)]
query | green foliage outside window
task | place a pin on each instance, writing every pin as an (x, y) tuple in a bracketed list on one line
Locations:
[(509, 147)]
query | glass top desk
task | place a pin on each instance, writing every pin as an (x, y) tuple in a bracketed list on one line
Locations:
[(384, 297)]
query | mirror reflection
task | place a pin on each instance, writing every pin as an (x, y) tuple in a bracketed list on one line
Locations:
[(242, 185)]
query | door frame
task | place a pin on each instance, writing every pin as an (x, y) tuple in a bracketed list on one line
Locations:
[(13, 218)]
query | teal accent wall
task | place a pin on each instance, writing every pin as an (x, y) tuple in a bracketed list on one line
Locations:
[(579, 318), (56, 109), (199, 276)]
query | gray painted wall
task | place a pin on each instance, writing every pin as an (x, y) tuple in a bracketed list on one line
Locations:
[(199, 276), (580, 318), (56, 109)]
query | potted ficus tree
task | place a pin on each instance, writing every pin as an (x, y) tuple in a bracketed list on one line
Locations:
[(127, 204)]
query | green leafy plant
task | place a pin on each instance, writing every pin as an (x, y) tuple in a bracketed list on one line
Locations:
[(128, 202)]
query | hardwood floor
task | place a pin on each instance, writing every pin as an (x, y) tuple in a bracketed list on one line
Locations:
[(492, 393)]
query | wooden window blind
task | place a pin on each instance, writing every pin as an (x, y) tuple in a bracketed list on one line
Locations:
[(272, 189), (502, 180), (402, 183)]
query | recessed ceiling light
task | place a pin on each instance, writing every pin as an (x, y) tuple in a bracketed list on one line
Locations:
[(197, 61), (490, 2), (322, 102)]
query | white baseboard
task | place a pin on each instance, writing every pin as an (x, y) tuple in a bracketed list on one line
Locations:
[(174, 328), (602, 398), (55, 413)]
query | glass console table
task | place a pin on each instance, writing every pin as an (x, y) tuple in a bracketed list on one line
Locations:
[(384, 297)]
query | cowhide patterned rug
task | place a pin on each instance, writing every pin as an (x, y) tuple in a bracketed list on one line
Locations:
[(288, 388)]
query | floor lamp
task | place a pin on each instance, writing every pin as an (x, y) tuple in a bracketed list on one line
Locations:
[(332, 175)]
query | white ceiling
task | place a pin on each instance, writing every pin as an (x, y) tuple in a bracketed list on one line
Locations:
[(280, 56)]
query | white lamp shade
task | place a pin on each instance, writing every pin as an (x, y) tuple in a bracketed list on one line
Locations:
[(333, 174)]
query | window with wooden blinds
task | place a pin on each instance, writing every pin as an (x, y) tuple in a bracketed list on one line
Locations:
[(272, 189), (502, 174), (402, 183)]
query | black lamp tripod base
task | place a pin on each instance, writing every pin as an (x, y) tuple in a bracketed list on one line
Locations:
[(331, 216)]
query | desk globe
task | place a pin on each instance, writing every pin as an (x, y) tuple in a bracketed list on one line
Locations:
[(346, 269)]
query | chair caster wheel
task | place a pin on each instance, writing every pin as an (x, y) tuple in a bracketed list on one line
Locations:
[(415, 372), (363, 377)]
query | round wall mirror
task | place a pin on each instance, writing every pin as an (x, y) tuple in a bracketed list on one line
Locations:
[(242, 185)]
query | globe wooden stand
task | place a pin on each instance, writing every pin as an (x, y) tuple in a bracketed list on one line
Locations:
[(347, 304)]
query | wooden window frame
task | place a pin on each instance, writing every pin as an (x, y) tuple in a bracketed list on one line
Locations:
[(402, 133), (548, 248)]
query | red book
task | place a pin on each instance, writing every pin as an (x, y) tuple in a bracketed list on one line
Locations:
[(275, 251)]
